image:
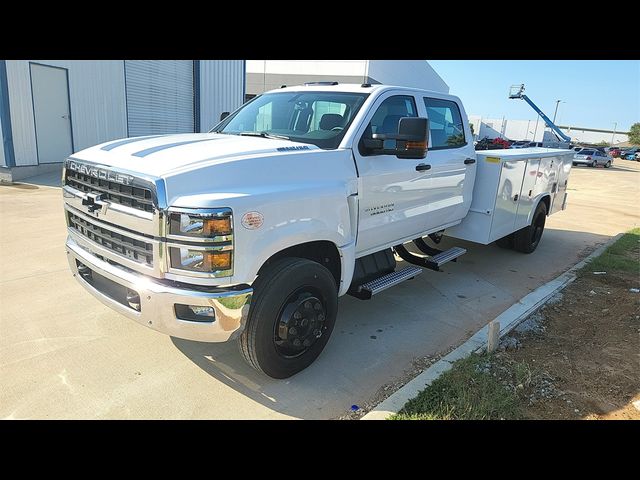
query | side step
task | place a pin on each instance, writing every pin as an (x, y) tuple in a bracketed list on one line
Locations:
[(432, 262), (448, 255), (369, 289)]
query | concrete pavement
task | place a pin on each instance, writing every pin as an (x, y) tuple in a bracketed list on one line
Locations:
[(64, 355)]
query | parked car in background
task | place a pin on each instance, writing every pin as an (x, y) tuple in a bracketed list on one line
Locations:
[(534, 144), (592, 158), (630, 153), (614, 152), (520, 144)]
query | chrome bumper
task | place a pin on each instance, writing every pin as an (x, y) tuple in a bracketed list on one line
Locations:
[(157, 300)]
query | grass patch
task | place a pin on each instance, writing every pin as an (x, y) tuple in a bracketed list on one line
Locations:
[(622, 256), (469, 391)]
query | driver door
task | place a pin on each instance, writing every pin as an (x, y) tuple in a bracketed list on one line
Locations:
[(391, 190)]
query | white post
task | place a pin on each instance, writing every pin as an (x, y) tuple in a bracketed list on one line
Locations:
[(493, 337)]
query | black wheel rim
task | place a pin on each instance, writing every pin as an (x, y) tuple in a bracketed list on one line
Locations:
[(538, 227), (300, 323)]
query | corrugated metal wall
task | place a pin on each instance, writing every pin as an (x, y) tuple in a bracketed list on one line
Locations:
[(2, 160), (221, 89), (160, 96), (97, 98)]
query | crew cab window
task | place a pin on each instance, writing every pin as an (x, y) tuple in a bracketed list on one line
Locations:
[(445, 124), (387, 117), (319, 118)]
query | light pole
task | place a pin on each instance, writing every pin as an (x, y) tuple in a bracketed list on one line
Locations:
[(615, 125), (554, 113)]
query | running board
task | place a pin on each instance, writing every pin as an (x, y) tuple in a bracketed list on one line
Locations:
[(369, 289), (433, 262)]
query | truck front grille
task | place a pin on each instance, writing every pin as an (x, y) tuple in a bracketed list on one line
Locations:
[(136, 250), (127, 195)]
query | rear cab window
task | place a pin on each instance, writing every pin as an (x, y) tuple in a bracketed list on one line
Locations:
[(445, 124)]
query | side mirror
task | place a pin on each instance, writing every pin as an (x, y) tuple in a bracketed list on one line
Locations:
[(411, 139), (224, 115)]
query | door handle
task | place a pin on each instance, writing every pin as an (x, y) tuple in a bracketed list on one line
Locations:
[(515, 198), (470, 161), (423, 166)]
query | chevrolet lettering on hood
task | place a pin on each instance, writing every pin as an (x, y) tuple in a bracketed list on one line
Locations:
[(99, 173)]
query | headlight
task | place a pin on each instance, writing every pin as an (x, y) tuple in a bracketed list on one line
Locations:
[(195, 259), (200, 242), (203, 224)]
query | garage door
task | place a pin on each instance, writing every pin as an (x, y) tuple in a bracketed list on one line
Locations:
[(160, 96)]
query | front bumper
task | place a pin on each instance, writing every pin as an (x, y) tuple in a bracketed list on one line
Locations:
[(157, 300)]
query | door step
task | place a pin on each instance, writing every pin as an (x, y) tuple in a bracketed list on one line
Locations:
[(448, 256), (433, 262), (373, 287)]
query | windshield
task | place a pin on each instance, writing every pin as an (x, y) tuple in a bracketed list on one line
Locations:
[(319, 118)]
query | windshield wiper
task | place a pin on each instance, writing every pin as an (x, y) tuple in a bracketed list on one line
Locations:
[(263, 135)]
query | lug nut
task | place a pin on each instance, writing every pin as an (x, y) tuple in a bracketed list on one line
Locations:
[(317, 306), (296, 342), (317, 333), (293, 330), (321, 318), (297, 315), (306, 343), (307, 304)]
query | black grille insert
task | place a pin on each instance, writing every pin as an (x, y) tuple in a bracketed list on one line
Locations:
[(136, 250), (128, 195)]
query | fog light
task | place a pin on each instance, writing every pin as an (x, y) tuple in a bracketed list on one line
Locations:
[(195, 313), (202, 311)]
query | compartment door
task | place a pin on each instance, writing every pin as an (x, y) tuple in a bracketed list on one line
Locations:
[(527, 193), (506, 209)]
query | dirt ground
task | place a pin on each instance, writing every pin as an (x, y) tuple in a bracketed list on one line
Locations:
[(579, 357)]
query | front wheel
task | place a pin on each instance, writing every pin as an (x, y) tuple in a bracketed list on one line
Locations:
[(608, 164), (527, 239), (594, 164), (292, 314)]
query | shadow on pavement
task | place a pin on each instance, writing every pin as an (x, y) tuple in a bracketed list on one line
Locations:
[(375, 341)]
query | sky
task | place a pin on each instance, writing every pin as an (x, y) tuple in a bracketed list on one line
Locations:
[(595, 93)]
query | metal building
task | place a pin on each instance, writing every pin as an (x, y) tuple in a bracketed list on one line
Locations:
[(263, 75), (51, 108)]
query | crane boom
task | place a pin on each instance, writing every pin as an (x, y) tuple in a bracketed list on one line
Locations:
[(519, 94)]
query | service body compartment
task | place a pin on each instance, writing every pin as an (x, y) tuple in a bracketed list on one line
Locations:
[(509, 184)]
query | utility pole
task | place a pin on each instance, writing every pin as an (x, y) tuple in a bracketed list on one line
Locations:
[(554, 113), (615, 125), (536, 129)]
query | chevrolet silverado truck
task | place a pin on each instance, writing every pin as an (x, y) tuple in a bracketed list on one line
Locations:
[(252, 231)]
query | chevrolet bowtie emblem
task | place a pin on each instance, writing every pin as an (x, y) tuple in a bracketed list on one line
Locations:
[(91, 201)]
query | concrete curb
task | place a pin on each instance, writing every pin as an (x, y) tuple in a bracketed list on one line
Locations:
[(508, 319)]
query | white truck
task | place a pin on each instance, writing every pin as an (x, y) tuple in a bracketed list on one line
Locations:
[(253, 230)]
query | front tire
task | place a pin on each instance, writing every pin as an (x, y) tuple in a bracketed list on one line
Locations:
[(292, 315), (594, 164), (527, 239), (608, 164)]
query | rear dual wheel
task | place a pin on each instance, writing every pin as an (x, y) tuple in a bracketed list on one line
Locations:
[(526, 240)]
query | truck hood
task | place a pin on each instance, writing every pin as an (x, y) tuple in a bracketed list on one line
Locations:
[(164, 155)]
